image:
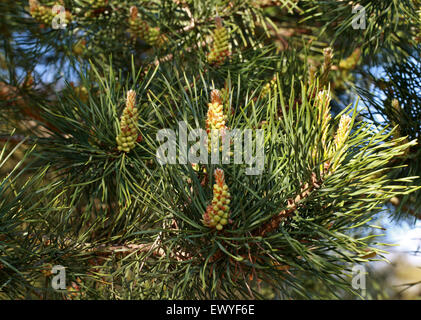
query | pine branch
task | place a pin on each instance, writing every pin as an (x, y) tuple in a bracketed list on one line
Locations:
[(293, 205)]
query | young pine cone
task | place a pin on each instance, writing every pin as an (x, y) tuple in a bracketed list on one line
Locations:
[(217, 213), (215, 116), (128, 124), (215, 120)]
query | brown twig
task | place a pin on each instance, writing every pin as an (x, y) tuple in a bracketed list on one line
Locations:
[(293, 204), (14, 138)]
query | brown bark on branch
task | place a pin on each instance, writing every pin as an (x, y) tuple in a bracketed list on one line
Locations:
[(293, 205)]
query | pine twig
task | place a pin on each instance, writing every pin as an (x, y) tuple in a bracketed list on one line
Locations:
[(293, 204)]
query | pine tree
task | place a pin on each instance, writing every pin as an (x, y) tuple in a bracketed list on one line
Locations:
[(93, 91)]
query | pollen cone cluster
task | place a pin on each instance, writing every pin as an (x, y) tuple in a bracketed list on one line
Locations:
[(269, 87), (322, 105), (327, 66), (45, 15), (128, 124), (93, 6), (343, 131), (332, 148), (217, 213), (141, 29), (328, 56), (352, 61), (215, 116), (215, 119), (339, 141), (81, 92), (220, 49), (96, 4)]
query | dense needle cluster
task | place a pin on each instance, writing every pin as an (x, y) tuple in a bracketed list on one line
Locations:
[(217, 213), (128, 124)]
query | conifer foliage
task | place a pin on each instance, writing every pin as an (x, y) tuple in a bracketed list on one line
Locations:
[(193, 149)]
